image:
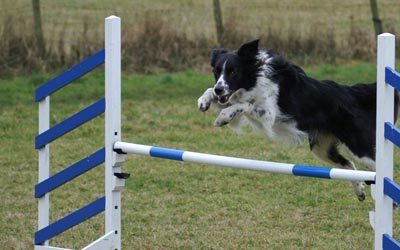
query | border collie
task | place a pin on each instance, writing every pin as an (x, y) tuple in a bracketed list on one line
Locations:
[(277, 99)]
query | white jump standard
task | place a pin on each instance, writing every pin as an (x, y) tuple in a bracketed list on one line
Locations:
[(114, 179), (384, 191)]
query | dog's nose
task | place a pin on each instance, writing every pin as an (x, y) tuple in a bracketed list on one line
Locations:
[(218, 89)]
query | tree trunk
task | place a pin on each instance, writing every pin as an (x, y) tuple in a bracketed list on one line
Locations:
[(375, 17), (218, 21), (38, 28)]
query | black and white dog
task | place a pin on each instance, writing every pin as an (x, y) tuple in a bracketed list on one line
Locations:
[(276, 98)]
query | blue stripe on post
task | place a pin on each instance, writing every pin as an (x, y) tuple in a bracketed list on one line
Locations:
[(71, 123), (319, 172), (70, 75), (392, 77), (388, 243), (391, 189), (392, 133), (70, 221), (70, 173), (167, 153)]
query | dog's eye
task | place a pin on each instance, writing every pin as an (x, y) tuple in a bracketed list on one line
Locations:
[(232, 72)]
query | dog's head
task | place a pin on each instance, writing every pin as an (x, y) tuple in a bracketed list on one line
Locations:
[(234, 70)]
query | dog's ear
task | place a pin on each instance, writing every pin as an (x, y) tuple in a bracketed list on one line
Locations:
[(215, 54), (248, 50)]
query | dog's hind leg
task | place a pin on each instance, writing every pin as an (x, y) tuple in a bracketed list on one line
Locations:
[(326, 148)]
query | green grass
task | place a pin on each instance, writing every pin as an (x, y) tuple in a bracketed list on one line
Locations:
[(168, 204)]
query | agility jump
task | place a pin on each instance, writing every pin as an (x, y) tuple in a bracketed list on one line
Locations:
[(384, 190)]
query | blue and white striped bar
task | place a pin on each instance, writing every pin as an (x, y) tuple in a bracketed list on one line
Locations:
[(233, 162)]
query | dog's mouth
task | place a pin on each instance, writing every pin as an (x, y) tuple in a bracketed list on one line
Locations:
[(223, 99)]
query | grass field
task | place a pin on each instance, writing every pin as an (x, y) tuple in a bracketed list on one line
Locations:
[(173, 205)]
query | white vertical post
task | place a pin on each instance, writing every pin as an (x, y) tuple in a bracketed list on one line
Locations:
[(383, 222), (113, 161), (44, 165)]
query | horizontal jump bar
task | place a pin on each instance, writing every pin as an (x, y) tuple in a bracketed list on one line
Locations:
[(70, 75), (248, 164)]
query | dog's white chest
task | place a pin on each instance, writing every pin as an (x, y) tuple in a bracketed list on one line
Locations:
[(265, 116)]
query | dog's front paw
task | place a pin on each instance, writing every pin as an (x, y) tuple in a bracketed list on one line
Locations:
[(228, 114), (221, 120), (225, 116), (204, 102)]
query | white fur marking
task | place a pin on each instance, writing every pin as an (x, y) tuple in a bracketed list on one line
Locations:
[(222, 82), (272, 123), (366, 161)]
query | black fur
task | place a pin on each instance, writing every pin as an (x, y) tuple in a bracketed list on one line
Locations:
[(347, 112)]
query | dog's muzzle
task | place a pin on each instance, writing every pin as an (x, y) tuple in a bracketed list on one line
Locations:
[(222, 94), (223, 99)]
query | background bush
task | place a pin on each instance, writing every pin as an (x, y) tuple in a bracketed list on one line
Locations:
[(175, 35)]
